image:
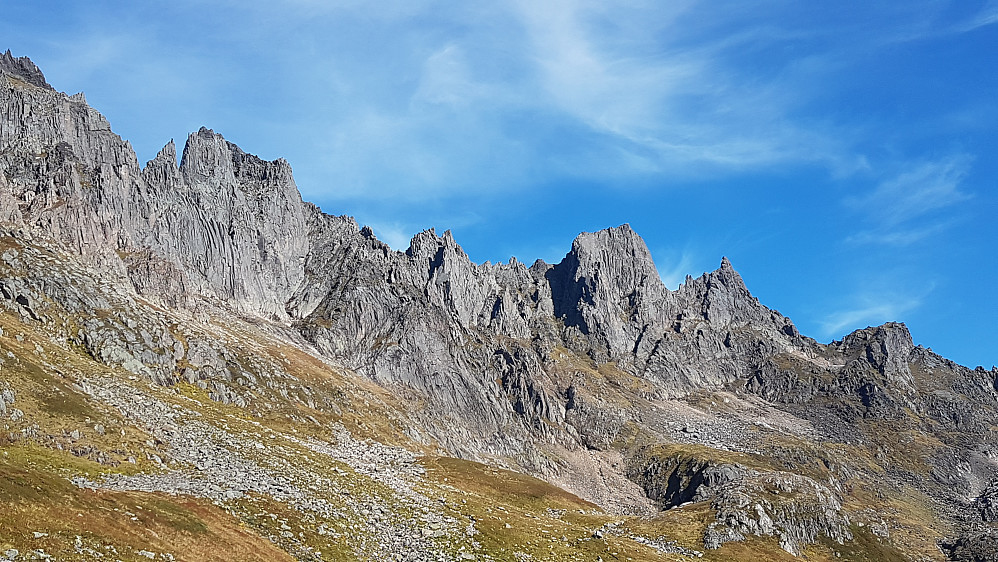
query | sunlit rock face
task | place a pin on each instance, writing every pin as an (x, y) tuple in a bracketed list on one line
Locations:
[(572, 371)]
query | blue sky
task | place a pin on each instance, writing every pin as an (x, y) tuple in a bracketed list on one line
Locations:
[(842, 155)]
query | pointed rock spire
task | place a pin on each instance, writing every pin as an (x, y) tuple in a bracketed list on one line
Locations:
[(166, 154), (24, 69), (162, 170), (726, 275)]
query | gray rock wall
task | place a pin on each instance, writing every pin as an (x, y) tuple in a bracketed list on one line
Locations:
[(478, 342), (497, 360), (231, 223)]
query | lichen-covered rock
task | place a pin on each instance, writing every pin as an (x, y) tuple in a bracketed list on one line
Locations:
[(794, 508)]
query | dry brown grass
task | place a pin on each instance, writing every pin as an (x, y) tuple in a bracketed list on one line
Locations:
[(36, 498)]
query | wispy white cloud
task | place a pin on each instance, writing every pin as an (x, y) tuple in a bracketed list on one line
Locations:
[(872, 313), (918, 190), (586, 74), (535, 92), (667, 105), (932, 20), (883, 299), (422, 97), (673, 267), (988, 15), (447, 79), (910, 206), (903, 237), (394, 234), (422, 100)]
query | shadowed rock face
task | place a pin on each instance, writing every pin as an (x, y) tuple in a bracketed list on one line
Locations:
[(509, 362), (607, 288)]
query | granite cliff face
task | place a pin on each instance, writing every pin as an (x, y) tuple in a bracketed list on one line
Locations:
[(589, 373), (232, 227)]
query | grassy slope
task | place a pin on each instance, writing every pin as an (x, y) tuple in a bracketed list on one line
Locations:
[(515, 514), (37, 497)]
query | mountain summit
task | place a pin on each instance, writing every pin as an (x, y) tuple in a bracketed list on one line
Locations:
[(200, 349)]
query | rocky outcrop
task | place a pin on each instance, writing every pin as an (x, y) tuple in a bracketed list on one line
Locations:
[(793, 508), (796, 509), (526, 366), (973, 548), (232, 224), (987, 503), (679, 479), (22, 68), (608, 292)]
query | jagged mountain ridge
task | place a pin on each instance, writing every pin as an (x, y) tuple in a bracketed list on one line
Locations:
[(230, 227), (507, 358)]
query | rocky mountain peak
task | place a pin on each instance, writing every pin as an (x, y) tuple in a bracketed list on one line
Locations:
[(23, 69), (168, 153), (223, 173), (214, 276), (615, 256), (605, 287), (726, 275), (162, 170), (721, 297), (886, 347), (208, 154), (891, 339), (424, 244), (166, 159)]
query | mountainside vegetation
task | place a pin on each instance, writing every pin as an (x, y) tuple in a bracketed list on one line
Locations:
[(195, 364)]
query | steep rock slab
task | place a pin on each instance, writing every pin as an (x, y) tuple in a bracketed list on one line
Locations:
[(233, 224)]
